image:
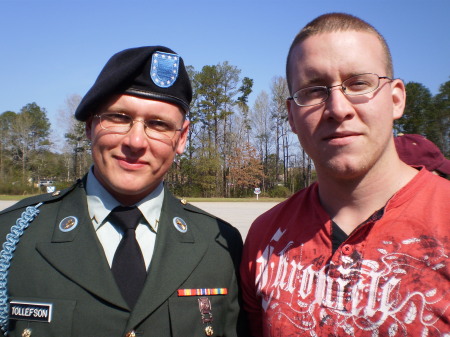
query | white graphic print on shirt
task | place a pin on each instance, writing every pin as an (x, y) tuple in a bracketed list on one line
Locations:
[(392, 293)]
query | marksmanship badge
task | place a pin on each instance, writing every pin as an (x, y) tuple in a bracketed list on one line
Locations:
[(164, 70)]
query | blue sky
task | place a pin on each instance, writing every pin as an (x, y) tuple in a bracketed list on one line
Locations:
[(53, 49)]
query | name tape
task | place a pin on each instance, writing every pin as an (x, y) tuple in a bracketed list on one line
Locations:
[(30, 311)]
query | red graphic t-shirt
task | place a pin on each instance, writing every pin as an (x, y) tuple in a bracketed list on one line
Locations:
[(389, 278)]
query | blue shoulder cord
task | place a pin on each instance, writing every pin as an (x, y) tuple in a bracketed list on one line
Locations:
[(9, 246)]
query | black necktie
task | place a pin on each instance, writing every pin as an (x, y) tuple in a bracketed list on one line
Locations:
[(128, 265)]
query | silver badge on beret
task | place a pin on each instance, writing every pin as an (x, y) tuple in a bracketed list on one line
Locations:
[(180, 224), (164, 70), (67, 224)]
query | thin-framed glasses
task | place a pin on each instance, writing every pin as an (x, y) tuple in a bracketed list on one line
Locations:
[(122, 123), (356, 85)]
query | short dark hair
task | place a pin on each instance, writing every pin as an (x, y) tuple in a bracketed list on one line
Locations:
[(338, 22)]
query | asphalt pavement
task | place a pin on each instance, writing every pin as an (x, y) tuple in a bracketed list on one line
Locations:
[(6, 203), (239, 214)]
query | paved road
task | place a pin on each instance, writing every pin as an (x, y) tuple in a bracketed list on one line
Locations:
[(6, 203), (239, 214)]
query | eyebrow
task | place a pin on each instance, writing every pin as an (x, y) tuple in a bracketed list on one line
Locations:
[(117, 109), (312, 78), (316, 81), (319, 81)]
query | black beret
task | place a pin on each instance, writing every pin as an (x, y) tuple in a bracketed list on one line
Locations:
[(156, 73)]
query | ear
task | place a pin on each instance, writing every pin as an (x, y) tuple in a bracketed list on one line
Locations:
[(291, 107), (398, 98), (181, 144)]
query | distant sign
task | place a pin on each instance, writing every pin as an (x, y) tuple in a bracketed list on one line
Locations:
[(51, 189), (257, 192)]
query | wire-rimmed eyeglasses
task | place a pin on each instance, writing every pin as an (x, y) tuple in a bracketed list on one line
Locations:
[(353, 86), (122, 123)]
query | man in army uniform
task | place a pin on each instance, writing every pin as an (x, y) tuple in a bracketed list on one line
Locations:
[(117, 254)]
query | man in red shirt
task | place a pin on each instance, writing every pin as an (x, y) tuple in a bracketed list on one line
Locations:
[(364, 250)]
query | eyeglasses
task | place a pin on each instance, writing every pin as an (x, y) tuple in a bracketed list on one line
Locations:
[(122, 123), (354, 86)]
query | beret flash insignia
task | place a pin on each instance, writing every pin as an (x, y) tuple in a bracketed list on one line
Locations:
[(164, 69)]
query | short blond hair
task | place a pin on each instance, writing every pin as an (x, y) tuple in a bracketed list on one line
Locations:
[(338, 22)]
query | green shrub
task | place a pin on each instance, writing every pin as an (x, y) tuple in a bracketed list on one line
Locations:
[(279, 192), (17, 188)]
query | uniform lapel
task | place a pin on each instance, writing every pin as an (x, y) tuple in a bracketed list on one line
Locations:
[(176, 255), (78, 254)]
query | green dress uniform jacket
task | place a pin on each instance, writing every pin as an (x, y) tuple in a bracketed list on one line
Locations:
[(68, 272)]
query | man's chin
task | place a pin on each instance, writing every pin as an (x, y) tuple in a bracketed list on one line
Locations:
[(129, 196), (346, 170)]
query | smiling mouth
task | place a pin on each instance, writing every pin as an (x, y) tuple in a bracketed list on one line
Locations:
[(341, 139), (130, 161), (341, 135)]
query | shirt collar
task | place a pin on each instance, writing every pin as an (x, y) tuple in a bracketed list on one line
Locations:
[(101, 202)]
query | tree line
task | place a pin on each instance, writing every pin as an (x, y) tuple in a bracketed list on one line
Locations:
[(232, 148)]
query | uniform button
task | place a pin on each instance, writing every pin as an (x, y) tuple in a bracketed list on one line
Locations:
[(26, 333), (347, 249), (131, 334)]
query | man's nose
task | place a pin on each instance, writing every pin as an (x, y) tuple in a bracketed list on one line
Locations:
[(136, 137), (338, 106)]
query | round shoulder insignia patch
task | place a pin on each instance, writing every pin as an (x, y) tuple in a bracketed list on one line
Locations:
[(180, 224), (67, 224)]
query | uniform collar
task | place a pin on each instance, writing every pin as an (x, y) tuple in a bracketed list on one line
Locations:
[(101, 202)]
